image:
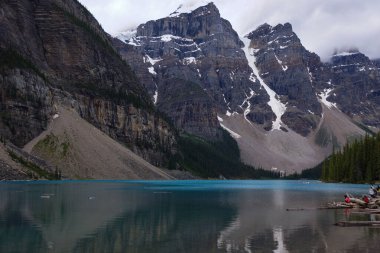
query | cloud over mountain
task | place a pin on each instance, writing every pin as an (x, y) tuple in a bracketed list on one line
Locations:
[(322, 25)]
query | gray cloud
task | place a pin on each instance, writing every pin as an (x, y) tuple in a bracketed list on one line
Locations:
[(322, 25)]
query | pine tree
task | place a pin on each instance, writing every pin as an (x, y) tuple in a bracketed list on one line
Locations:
[(357, 162), (324, 171)]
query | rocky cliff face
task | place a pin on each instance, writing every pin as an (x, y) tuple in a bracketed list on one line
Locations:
[(54, 51), (356, 87), (286, 67), (196, 68)]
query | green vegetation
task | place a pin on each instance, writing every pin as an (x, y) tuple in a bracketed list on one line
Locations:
[(53, 146), (358, 162), (213, 159), (36, 169), (10, 58)]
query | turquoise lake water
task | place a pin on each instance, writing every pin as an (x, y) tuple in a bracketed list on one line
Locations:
[(179, 216)]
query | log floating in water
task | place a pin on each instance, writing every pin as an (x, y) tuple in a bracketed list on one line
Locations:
[(366, 211), (357, 223), (318, 208)]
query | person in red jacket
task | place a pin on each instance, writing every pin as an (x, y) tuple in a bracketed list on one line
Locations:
[(347, 198)]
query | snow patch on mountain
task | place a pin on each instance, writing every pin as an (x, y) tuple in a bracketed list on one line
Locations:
[(284, 67), (129, 37), (188, 7), (323, 98), (310, 75), (232, 133), (189, 60), (155, 96), (167, 37), (151, 70), (248, 108), (276, 105), (150, 60), (345, 54)]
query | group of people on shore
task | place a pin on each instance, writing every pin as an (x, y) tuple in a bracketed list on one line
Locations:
[(374, 193)]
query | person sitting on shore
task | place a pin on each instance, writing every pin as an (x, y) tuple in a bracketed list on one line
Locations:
[(372, 192)]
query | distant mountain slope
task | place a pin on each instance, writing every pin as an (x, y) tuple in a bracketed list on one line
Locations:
[(356, 91), (289, 151), (273, 94)]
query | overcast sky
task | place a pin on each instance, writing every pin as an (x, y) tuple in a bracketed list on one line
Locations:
[(322, 25)]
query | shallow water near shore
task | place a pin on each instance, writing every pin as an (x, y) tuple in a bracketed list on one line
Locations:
[(179, 216)]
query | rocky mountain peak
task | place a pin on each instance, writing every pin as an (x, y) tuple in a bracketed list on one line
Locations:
[(208, 8), (280, 35), (265, 29), (198, 52), (357, 86), (285, 66), (350, 57), (186, 22)]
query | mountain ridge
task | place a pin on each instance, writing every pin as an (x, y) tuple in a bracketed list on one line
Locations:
[(187, 74), (282, 72)]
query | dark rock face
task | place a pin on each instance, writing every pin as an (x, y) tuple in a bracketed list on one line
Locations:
[(198, 54), (25, 105), (287, 68), (190, 52), (57, 51), (356, 91), (9, 173)]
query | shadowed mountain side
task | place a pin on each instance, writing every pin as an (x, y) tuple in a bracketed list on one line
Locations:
[(80, 150), (9, 169), (54, 49)]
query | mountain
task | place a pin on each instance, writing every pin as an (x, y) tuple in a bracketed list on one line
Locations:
[(55, 54), (169, 91), (196, 68), (285, 66), (356, 87), (265, 88)]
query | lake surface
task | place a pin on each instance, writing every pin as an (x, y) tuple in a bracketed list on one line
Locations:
[(179, 216)]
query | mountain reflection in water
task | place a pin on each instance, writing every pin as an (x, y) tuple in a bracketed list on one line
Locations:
[(177, 216)]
